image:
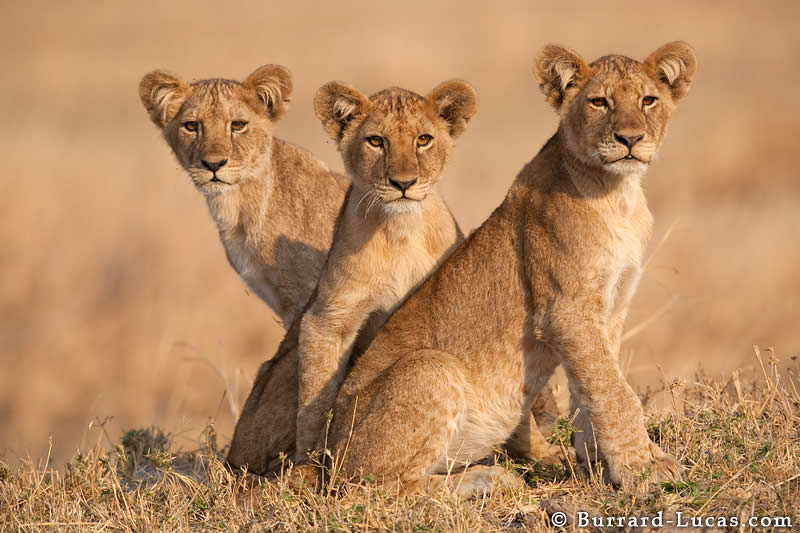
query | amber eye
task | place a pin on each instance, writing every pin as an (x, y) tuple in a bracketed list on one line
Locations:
[(424, 140), (238, 125), (190, 126), (599, 102), (647, 101), (375, 140)]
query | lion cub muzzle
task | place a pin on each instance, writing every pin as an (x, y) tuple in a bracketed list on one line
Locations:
[(403, 185), (213, 167), (628, 139)]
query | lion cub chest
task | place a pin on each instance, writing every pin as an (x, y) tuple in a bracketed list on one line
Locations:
[(249, 266), (402, 264), (380, 263), (628, 233), (621, 279)]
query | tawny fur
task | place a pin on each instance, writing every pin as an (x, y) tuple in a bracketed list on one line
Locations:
[(274, 203), (546, 280), (387, 241), (389, 238)]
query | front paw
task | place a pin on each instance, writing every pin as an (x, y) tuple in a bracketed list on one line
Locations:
[(304, 476), (650, 465), (552, 455)]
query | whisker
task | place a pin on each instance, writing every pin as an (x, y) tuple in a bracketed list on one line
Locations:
[(375, 200), (362, 199), (366, 211)]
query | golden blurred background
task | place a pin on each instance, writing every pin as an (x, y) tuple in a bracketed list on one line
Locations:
[(115, 295)]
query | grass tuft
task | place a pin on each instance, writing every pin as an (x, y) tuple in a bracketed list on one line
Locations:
[(740, 451)]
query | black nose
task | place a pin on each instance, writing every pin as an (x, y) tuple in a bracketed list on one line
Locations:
[(213, 166), (402, 185), (627, 140)]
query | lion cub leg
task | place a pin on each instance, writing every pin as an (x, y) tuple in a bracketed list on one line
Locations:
[(528, 441), (327, 334), (265, 428), (614, 409), (583, 438)]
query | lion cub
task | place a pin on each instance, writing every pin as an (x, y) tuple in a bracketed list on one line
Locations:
[(393, 231), (274, 204), (545, 280)]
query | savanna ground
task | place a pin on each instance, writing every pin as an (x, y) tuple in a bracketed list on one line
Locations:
[(118, 305), (738, 442)]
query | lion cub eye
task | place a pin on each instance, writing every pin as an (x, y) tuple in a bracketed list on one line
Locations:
[(190, 126), (599, 102), (424, 140), (375, 141), (238, 125), (647, 101)]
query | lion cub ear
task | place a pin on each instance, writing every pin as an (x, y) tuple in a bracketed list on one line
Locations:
[(336, 105), (273, 86), (456, 102), (559, 70), (162, 94), (673, 64)]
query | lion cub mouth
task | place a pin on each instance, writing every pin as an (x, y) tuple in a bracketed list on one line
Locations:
[(404, 204), (218, 181), (630, 158)]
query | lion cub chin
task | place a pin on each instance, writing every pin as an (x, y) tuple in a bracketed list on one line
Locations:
[(393, 231), (546, 280), (274, 203)]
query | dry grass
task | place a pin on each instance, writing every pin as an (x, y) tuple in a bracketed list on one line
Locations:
[(115, 295), (739, 443)]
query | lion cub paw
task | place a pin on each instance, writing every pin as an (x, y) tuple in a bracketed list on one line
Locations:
[(303, 476), (551, 456), (652, 465), (481, 479)]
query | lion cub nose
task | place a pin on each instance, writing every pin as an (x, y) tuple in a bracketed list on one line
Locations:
[(402, 186), (213, 166), (627, 140)]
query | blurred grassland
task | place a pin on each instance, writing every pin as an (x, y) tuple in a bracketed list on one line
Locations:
[(115, 295)]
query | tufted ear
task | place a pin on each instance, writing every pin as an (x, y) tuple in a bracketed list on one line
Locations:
[(457, 102), (673, 64), (272, 85), (337, 105), (558, 71), (162, 94)]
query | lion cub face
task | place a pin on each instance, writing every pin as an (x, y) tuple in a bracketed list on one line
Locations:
[(220, 130), (395, 143), (615, 110)]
